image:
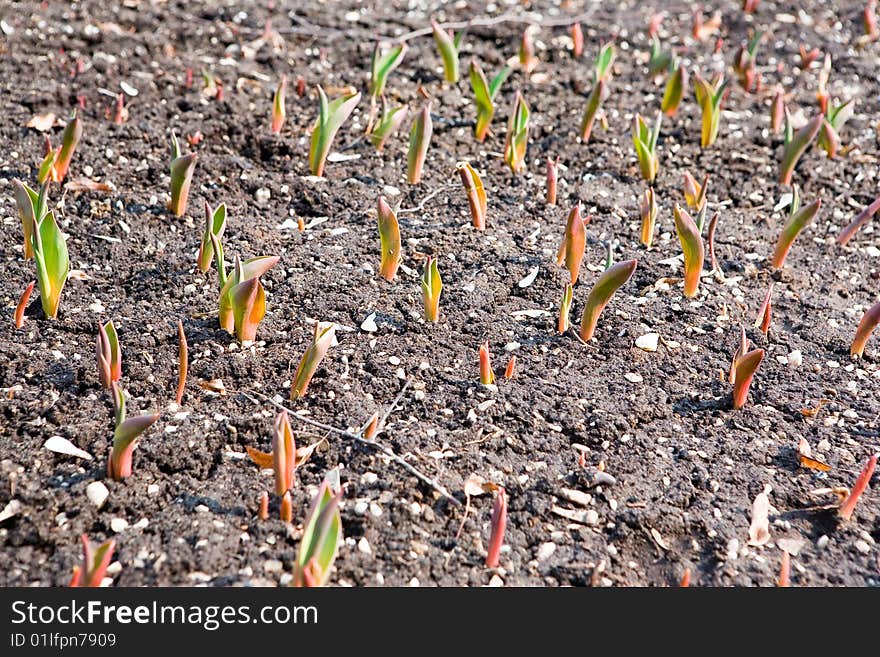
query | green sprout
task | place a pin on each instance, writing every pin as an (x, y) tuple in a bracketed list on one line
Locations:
[(798, 219), (322, 533), (797, 146), (242, 298), (601, 77), (432, 287), (476, 194), (710, 95), (109, 355), (325, 333), (215, 224), (389, 237), (96, 560), (331, 116), (692, 246), (384, 61), (278, 107), (484, 96), (389, 123), (607, 284), (53, 262), (649, 217), (829, 135), (448, 46), (645, 142), (675, 90), (517, 135)]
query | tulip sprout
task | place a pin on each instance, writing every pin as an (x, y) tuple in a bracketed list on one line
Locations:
[(866, 327), (96, 560), (601, 78), (649, 217), (109, 355), (517, 135), (608, 283), (322, 533), (692, 246), (675, 90), (432, 287), (571, 251), (797, 146), (389, 124), (215, 224), (331, 116), (744, 371), (645, 142), (476, 194), (125, 436), (487, 376), (709, 98), (384, 61), (389, 238), (419, 140), (498, 526), (278, 106), (325, 333), (484, 96), (448, 46), (798, 219)]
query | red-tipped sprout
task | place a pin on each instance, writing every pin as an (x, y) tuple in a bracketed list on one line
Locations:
[(242, 298), (331, 116), (448, 45), (371, 427), (96, 560), (692, 247), (517, 135), (497, 527), (601, 78), (182, 362), (69, 140), (685, 579), (419, 140), (744, 372), (564, 323), (432, 287), (744, 65), (675, 90), (703, 29), (762, 320), (869, 22), (510, 370), (528, 62), (861, 219), (577, 40), (654, 24), (710, 238), (389, 238), (741, 350), (215, 224), (648, 214), (487, 376), (52, 261), (866, 327), (476, 194), (608, 283), (389, 124), (785, 571), (286, 511), (645, 141), (325, 332), (278, 105), (109, 355), (795, 148), (283, 454), (322, 534), (694, 193), (120, 114), (750, 6), (849, 504), (777, 111), (808, 56), (125, 436), (829, 135), (798, 219), (552, 179), (22, 304), (571, 251), (182, 167), (263, 501)]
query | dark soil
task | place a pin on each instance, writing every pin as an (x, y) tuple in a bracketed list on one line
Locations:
[(687, 467)]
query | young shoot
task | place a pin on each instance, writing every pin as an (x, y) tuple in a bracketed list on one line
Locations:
[(710, 96), (331, 116), (798, 219), (476, 194), (484, 96), (389, 123), (607, 284), (182, 167), (645, 141), (648, 215), (322, 340), (278, 107), (432, 287), (385, 59), (419, 140), (487, 376), (744, 371), (448, 45), (215, 224), (125, 436), (389, 238), (692, 247), (601, 79), (109, 355), (96, 560), (517, 135), (322, 534), (797, 146)]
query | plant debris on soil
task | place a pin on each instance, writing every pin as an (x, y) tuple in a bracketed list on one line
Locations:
[(622, 459)]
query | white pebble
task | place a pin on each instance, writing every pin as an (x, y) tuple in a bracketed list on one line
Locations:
[(97, 493)]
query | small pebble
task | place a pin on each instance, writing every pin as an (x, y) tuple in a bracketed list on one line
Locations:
[(546, 550), (119, 525), (97, 493)]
